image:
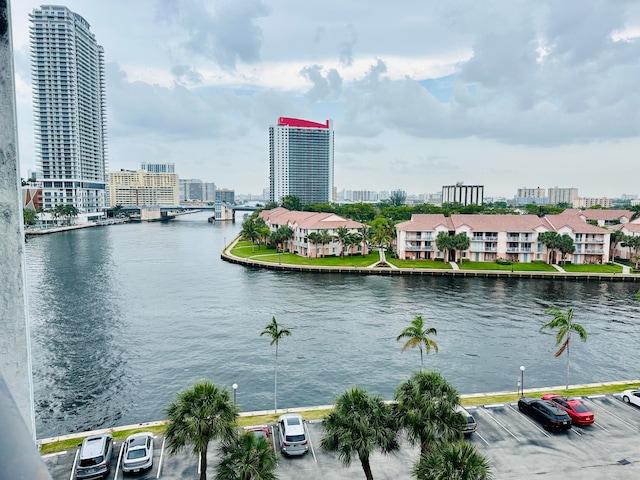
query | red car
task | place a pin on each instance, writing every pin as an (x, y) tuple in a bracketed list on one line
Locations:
[(579, 414), (261, 431)]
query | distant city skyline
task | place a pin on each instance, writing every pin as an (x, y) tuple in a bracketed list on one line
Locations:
[(422, 94)]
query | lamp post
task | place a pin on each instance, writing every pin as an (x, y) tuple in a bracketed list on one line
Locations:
[(235, 389), (522, 378)]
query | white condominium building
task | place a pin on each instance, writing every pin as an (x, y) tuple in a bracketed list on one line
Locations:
[(301, 160), (68, 82)]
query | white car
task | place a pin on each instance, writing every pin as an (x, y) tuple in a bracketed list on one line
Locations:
[(138, 452), (293, 436), (631, 396)]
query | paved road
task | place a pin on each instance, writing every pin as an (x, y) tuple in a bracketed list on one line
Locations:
[(516, 446)]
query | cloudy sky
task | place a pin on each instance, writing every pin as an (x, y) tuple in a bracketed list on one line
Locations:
[(422, 93)]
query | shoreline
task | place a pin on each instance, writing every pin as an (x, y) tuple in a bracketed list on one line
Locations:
[(259, 413), (226, 256)]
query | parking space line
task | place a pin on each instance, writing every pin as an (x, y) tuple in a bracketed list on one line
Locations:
[(73, 467), (310, 442), (575, 431), (616, 416), (481, 437), (499, 422), (273, 436), (161, 458), (115, 477), (526, 417), (601, 426)]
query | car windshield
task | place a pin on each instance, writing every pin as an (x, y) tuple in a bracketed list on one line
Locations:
[(90, 462), (295, 438), (259, 433), (293, 421), (580, 408), (137, 453)]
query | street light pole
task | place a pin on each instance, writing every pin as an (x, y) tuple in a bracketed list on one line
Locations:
[(235, 389), (522, 378)]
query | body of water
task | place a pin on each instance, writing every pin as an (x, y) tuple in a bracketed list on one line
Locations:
[(125, 316)]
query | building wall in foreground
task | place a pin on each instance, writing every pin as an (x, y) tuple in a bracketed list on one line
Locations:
[(15, 358)]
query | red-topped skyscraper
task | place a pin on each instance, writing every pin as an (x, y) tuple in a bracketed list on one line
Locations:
[(301, 160)]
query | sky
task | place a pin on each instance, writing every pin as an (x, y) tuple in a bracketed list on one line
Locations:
[(422, 93)]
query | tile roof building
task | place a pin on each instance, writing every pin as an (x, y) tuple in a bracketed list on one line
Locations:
[(510, 237), (305, 223)]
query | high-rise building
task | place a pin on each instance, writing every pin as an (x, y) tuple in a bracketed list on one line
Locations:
[(142, 188), (191, 189), (158, 167), (301, 160), (562, 195), (68, 81), (225, 195), (464, 194)]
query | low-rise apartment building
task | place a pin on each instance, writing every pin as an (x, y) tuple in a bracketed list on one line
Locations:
[(304, 223), (511, 237)]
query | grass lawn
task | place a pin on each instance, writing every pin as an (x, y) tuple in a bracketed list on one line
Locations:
[(592, 268), (318, 414), (264, 254), (419, 263), (517, 267)]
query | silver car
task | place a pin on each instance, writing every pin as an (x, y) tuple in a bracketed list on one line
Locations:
[(137, 454), (293, 436), (94, 459), (471, 424)]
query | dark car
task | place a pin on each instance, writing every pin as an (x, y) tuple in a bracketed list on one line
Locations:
[(546, 413)]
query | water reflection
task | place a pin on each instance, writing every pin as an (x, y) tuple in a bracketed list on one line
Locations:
[(126, 316)]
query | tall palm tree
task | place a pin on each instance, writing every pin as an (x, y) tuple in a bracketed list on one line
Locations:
[(425, 408), (314, 239), (250, 231), (566, 326), (324, 237), (342, 234), (453, 461), (198, 415), (418, 336), (365, 233), (246, 457), (444, 243), (276, 332), (359, 424)]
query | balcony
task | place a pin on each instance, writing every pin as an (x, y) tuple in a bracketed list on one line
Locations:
[(491, 237), (414, 248), (599, 251), (419, 237)]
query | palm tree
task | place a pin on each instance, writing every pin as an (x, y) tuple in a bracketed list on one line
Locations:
[(198, 415), (250, 231), (549, 240), (444, 243), (342, 234), (365, 233), (324, 237), (615, 237), (358, 424), (565, 325), (246, 457), (426, 410), (417, 336), (453, 461), (314, 239), (461, 243), (276, 332)]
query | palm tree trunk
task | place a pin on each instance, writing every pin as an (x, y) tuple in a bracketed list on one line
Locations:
[(275, 391), (366, 467), (568, 357), (203, 464)]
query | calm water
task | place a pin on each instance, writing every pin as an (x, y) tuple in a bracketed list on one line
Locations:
[(125, 316)]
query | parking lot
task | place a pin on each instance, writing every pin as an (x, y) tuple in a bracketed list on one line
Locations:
[(516, 446)]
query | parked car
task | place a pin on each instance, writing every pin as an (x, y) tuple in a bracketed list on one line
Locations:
[(261, 432), (631, 396), (471, 424), (138, 452), (293, 436), (94, 459), (580, 415), (546, 413)]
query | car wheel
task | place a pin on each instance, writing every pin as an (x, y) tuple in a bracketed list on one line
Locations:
[(626, 399), (521, 408)]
